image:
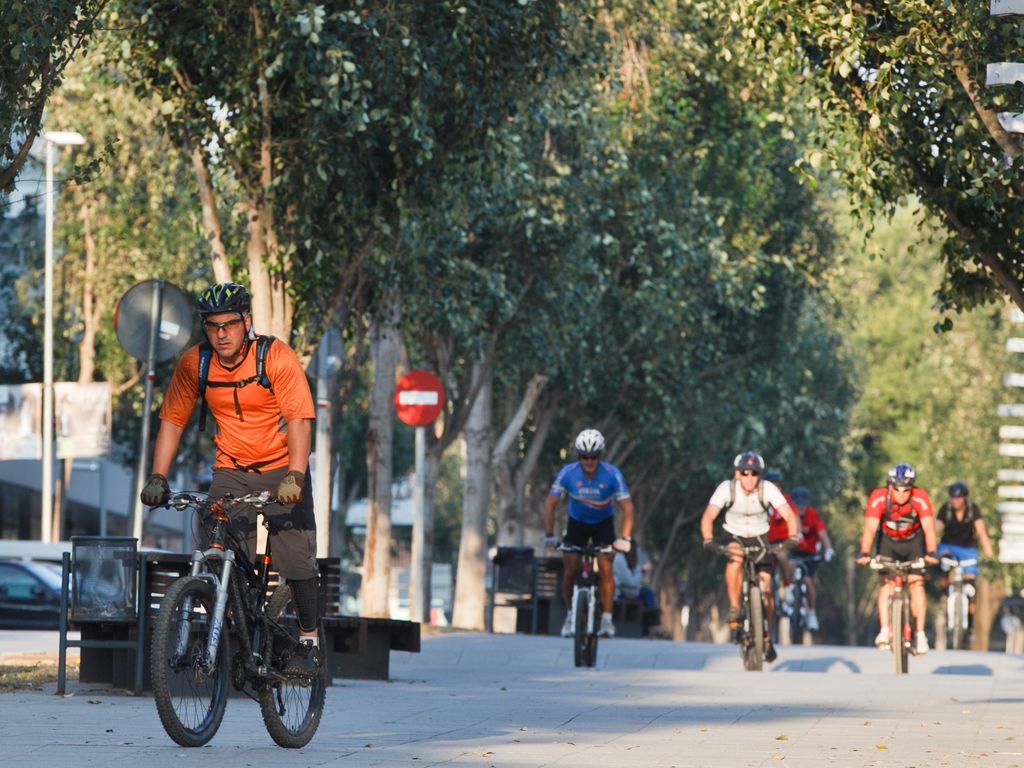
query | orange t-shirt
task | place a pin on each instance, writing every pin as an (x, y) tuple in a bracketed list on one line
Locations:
[(258, 433)]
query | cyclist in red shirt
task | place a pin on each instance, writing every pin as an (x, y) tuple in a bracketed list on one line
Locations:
[(814, 539), (902, 519)]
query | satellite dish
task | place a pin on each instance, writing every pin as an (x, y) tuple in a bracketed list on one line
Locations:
[(134, 315)]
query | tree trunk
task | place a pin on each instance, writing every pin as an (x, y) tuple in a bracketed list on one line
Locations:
[(384, 349), (512, 472), (470, 575), (211, 216)]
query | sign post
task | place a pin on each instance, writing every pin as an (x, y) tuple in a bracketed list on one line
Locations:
[(153, 323), (419, 399)]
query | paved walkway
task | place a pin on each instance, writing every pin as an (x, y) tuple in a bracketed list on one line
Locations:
[(484, 700)]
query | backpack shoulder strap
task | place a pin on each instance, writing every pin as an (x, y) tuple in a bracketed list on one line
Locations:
[(262, 348), (205, 356), (732, 496)]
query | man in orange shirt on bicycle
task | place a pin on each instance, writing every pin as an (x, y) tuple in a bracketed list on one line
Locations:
[(901, 517), (263, 410)]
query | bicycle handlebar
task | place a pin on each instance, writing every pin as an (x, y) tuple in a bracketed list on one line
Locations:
[(588, 550), (880, 563), (755, 549), (184, 499)]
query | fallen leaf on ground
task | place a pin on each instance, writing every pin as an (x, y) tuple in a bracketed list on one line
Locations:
[(783, 737), (880, 746)]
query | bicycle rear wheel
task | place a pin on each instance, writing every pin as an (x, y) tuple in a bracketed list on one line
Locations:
[(579, 623), (190, 695), (956, 612), (898, 629), (797, 620), (753, 648), (291, 707)]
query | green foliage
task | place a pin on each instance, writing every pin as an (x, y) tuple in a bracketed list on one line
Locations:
[(39, 41), (897, 92)]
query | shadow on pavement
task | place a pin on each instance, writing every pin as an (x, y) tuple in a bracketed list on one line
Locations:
[(822, 664), (963, 669)]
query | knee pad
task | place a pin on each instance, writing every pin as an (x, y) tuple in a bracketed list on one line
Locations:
[(306, 597)]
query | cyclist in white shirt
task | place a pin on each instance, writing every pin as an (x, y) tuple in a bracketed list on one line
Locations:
[(747, 500)]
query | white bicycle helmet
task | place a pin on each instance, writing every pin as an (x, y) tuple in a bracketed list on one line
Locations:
[(590, 441)]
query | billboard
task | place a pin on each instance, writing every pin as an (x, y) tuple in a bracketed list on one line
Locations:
[(83, 418), (21, 409)]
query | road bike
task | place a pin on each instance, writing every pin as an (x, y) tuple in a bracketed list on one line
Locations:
[(585, 608), (216, 625), (959, 594), (753, 633), (901, 623), (796, 604)]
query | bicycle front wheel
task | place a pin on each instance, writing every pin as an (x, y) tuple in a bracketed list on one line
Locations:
[(580, 645), (957, 613), (190, 690), (753, 650), (291, 707), (899, 625), (796, 620)]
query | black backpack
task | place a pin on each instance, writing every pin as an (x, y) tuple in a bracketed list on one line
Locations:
[(206, 355)]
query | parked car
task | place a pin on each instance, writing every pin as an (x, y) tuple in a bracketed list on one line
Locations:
[(29, 595)]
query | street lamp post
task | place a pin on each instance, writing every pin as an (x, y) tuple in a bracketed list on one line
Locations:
[(52, 139)]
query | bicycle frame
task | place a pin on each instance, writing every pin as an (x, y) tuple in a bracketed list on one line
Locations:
[(255, 578), (959, 594), (753, 617), (898, 607), (586, 583)]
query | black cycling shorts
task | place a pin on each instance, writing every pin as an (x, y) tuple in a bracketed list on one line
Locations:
[(766, 563), (902, 549), (808, 562), (584, 534)]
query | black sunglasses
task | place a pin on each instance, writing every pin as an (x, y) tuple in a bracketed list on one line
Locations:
[(588, 456), (749, 472)]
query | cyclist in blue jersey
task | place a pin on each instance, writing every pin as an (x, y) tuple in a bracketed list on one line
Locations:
[(592, 488)]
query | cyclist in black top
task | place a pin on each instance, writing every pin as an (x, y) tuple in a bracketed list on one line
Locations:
[(963, 529)]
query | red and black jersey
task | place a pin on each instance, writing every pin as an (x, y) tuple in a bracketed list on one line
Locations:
[(899, 521)]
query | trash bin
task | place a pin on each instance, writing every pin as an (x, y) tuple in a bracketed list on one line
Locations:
[(513, 568), (105, 570)]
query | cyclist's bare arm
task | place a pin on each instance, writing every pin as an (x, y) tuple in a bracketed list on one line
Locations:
[(983, 539), (168, 437), (628, 514), (930, 542), (299, 442), (867, 539), (550, 502), (707, 521)]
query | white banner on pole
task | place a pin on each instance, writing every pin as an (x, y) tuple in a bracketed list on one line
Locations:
[(1011, 432), (83, 418), (1015, 411), (1011, 449), (1013, 379), (1011, 491), (1010, 507), (1010, 475), (21, 408)]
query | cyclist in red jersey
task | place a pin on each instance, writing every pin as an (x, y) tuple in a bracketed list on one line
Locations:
[(814, 539), (901, 517)]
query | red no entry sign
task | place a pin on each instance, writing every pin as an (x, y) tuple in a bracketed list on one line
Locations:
[(419, 398)]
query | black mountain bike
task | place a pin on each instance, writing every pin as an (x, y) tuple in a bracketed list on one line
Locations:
[(217, 626), (901, 623), (753, 631), (585, 609), (798, 609)]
